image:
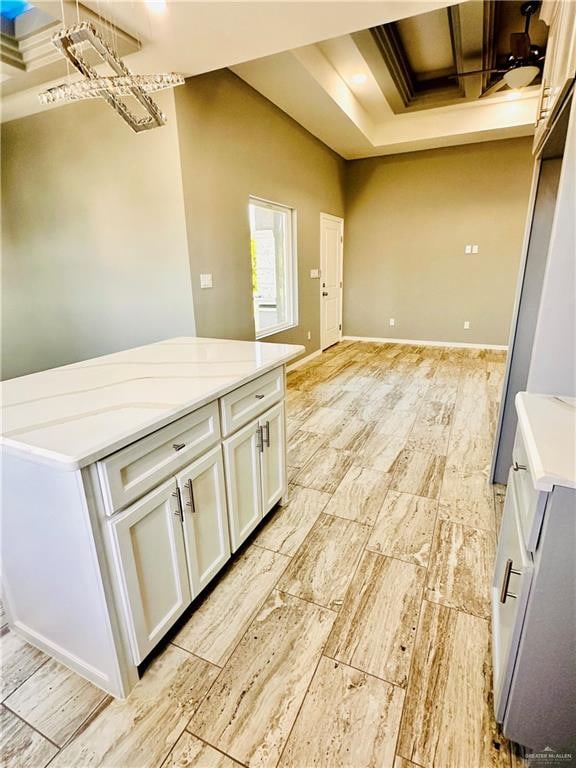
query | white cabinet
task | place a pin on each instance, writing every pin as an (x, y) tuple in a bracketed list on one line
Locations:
[(255, 472), (559, 66), (205, 520), (128, 474), (273, 457), (114, 530), (248, 402), (169, 545), (151, 565), (242, 461)]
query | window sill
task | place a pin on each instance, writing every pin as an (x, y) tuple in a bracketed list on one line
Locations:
[(274, 330)]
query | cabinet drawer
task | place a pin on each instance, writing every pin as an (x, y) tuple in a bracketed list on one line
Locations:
[(531, 502), (512, 580), (247, 402), (129, 473)]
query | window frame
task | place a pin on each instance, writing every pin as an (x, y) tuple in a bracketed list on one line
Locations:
[(292, 273)]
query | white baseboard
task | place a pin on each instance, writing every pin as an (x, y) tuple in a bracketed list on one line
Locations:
[(427, 343), (303, 360), (51, 648)]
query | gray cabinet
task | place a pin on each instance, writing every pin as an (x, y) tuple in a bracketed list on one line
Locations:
[(534, 612)]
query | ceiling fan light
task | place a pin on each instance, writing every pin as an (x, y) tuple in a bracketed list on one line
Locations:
[(520, 77)]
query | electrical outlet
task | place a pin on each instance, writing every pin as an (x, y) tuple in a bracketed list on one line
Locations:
[(475, 249), (206, 281), (466, 325), (392, 321), (468, 249), (309, 336)]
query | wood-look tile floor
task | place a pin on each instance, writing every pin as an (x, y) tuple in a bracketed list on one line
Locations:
[(353, 629)]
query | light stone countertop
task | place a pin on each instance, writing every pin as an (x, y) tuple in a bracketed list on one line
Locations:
[(76, 414), (548, 425)]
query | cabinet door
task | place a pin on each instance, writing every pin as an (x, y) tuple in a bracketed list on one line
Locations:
[(273, 457), (510, 590), (243, 487), (559, 65), (151, 561), (205, 518)]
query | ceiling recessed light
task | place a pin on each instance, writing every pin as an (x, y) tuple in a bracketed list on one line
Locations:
[(359, 78)]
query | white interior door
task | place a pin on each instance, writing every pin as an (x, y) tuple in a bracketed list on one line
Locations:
[(331, 247)]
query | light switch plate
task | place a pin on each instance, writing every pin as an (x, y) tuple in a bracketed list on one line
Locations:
[(468, 249), (315, 274), (474, 249), (206, 281), (392, 321), (466, 325)]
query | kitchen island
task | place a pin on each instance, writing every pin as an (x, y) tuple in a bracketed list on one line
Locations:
[(128, 482)]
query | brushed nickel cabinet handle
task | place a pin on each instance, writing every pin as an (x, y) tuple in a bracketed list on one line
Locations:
[(178, 498), (324, 293), (266, 434), (508, 571), (191, 495), (178, 446), (258, 397), (516, 467), (260, 440)]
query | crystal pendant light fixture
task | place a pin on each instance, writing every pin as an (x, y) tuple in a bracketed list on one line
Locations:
[(81, 40)]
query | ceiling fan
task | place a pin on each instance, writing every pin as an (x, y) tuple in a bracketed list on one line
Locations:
[(522, 65)]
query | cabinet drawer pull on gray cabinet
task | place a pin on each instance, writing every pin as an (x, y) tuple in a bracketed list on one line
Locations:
[(178, 446), (259, 397), (516, 467), (508, 571)]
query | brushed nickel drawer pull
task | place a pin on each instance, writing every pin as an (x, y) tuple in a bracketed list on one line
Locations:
[(508, 571), (517, 466), (259, 397), (266, 434), (178, 446)]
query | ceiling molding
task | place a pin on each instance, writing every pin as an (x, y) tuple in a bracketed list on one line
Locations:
[(29, 57)]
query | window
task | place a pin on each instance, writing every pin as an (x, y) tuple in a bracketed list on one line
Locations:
[(273, 254)]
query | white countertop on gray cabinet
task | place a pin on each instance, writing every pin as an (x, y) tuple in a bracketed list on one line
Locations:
[(76, 414), (548, 425)]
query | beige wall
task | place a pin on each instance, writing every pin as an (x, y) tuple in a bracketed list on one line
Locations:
[(234, 143), (408, 218), (103, 230), (94, 250)]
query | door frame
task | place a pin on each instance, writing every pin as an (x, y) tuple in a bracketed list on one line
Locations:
[(340, 221)]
